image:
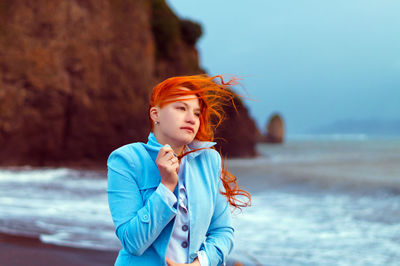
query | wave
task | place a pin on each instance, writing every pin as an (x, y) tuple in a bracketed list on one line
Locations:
[(348, 176), (334, 137), (292, 220)]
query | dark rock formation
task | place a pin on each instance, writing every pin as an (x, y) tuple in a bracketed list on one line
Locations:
[(237, 135), (75, 75), (275, 129)]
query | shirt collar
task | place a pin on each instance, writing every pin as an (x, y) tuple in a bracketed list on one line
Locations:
[(154, 147)]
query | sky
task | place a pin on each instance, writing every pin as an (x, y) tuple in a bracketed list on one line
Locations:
[(312, 61)]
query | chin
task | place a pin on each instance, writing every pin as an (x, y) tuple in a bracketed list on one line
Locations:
[(185, 140)]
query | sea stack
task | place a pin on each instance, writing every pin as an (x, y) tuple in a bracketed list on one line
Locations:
[(275, 129)]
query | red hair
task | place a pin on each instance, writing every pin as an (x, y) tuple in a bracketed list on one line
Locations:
[(212, 95)]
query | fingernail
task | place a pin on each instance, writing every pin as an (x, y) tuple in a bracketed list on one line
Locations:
[(167, 146), (176, 155)]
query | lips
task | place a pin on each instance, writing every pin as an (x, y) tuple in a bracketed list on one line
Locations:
[(188, 128)]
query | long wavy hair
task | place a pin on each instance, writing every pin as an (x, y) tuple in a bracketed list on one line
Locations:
[(213, 94)]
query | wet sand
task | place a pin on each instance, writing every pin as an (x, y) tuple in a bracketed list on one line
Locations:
[(17, 250), (20, 250)]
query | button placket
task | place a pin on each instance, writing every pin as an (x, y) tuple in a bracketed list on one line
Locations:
[(184, 244)]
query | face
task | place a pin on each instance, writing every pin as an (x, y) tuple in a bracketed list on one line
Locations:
[(178, 121)]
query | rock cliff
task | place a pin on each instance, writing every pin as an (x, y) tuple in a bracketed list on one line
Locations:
[(237, 136), (75, 75)]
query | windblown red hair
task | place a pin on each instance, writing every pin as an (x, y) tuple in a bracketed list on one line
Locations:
[(212, 95)]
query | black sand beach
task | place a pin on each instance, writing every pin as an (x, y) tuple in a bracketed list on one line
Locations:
[(21, 250), (17, 250)]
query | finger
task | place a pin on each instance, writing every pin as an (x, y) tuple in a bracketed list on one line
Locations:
[(175, 166), (168, 159), (174, 159), (165, 154), (168, 261), (166, 149)]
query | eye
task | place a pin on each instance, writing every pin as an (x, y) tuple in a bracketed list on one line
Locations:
[(180, 108)]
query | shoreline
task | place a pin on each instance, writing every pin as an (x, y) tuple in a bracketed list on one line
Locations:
[(77, 166), (22, 250)]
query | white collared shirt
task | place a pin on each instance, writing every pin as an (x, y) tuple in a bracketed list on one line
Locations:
[(178, 247)]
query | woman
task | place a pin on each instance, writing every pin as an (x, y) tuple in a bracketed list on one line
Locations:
[(169, 198)]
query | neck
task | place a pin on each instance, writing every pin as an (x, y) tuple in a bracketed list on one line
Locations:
[(178, 149)]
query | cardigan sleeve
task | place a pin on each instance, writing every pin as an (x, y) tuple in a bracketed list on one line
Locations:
[(219, 237), (137, 224)]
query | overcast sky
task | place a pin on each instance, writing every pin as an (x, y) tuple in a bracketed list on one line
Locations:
[(313, 61)]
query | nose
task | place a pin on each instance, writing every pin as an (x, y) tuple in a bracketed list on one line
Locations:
[(190, 118)]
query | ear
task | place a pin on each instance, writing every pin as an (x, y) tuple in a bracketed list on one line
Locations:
[(154, 114)]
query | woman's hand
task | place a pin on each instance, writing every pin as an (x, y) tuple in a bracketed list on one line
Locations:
[(172, 263), (168, 165)]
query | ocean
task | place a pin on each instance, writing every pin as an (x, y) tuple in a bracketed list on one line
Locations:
[(316, 200)]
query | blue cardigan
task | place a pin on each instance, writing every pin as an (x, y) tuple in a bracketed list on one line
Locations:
[(144, 220)]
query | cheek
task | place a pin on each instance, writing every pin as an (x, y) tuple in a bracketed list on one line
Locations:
[(169, 116)]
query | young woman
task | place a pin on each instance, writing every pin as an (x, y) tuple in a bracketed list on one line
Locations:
[(169, 198)]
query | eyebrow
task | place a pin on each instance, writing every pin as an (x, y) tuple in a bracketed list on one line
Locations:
[(196, 109)]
